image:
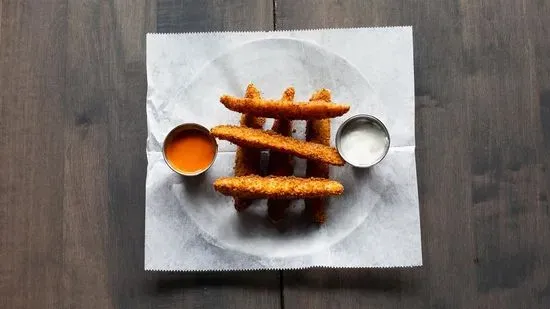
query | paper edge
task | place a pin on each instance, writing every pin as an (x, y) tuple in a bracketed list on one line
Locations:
[(194, 33), (290, 268)]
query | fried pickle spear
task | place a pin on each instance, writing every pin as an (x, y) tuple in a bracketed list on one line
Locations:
[(257, 138), (318, 131), (283, 109), (248, 120), (277, 187), (247, 160), (280, 164)]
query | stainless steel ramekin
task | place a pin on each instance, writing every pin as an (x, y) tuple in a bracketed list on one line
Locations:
[(357, 120), (188, 127)]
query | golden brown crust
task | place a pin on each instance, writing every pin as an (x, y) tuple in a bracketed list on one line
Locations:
[(252, 92), (247, 161), (322, 94), (282, 109), (280, 164), (289, 187), (257, 138), (318, 131), (284, 126), (252, 121), (248, 120)]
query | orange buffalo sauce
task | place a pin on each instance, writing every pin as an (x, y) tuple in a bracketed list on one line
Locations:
[(190, 151)]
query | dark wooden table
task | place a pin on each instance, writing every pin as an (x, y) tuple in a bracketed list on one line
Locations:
[(72, 160)]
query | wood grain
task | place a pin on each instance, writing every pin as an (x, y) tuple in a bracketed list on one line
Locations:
[(540, 45), (509, 222), (105, 82), (32, 84), (86, 204), (214, 15), (480, 153)]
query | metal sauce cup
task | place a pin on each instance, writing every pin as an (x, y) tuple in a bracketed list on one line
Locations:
[(180, 130), (359, 120)]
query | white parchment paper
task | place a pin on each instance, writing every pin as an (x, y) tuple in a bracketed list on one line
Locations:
[(189, 226)]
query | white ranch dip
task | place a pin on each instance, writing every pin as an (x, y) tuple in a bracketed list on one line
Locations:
[(363, 142)]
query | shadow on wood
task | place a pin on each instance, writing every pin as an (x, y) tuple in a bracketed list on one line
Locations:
[(389, 280), (173, 281)]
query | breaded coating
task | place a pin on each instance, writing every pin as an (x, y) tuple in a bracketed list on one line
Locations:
[(283, 109), (318, 131), (284, 126), (280, 164), (277, 187), (252, 92), (248, 120), (247, 160), (257, 138)]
